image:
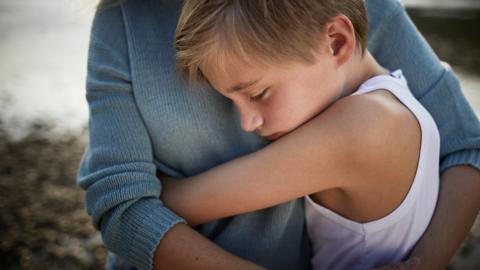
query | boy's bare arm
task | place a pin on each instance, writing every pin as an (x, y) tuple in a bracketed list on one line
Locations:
[(329, 151), (457, 208), (184, 248)]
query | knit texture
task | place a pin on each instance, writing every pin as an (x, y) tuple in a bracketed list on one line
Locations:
[(144, 119)]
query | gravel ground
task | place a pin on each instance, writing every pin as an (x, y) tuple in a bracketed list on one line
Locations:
[(43, 222)]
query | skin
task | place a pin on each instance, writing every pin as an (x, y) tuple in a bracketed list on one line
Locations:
[(212, 256), (457, 208), (458, 205), (184, 248), (320, 146), (275, 100)]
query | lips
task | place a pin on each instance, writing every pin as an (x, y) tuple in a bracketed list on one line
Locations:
[(273, 136)]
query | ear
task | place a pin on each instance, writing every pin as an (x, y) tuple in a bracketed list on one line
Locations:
[(340, 39)]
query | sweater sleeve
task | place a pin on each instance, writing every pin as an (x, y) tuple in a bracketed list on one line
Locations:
[(397, 44), (117, 170)]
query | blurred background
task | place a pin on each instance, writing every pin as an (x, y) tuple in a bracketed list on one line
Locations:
[(43, 116)]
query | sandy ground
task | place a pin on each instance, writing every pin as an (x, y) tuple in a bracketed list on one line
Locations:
[(43, 223)]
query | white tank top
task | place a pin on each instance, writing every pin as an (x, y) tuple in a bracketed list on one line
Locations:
[(340, 243)]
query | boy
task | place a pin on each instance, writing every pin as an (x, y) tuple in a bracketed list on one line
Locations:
[(364, 150)]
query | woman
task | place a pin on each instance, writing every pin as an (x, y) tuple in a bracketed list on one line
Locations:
[(142, 118)]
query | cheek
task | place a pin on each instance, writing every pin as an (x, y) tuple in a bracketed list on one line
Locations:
[(282, 113), (274, 111)]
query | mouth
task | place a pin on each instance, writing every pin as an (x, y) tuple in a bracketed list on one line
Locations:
[(273, 136)]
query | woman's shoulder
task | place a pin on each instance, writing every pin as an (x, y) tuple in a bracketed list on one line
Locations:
[(377, 10), (133, 40), (129, 18)]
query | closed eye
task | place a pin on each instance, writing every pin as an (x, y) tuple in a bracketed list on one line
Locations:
[(259, 96)]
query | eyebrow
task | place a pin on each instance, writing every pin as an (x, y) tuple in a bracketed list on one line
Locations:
[(243, 85)]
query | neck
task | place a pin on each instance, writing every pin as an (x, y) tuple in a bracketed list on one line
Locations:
[(360, 69)]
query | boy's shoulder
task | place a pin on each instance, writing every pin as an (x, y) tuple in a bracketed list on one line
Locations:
[(380, 127), (384, 139), (377, 110)]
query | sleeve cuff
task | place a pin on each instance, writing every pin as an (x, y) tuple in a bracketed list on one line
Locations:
[(153, 221), (465, 157)]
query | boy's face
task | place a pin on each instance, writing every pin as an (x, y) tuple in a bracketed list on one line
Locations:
[(274, 100)]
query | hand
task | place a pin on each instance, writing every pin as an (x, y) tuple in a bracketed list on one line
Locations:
[(410, 264)]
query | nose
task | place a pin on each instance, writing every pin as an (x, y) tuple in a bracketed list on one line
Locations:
[(250, 119)]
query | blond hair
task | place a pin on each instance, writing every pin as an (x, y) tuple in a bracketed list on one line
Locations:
[(260, 31)]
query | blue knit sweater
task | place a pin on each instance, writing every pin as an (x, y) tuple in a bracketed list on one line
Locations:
[(143, 119)]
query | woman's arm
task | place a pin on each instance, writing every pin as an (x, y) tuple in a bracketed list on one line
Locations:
[(183, 248), (118, 173), (456, 210), (332, 150)]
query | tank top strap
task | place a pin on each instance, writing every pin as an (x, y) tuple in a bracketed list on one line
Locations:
[(392, 82), (396, 84)]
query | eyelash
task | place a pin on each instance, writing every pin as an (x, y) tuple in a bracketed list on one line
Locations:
[(258, 96)]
